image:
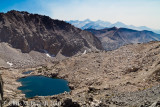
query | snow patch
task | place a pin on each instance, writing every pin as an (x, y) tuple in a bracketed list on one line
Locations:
[(84, 52), (47, 54), (10, 64)]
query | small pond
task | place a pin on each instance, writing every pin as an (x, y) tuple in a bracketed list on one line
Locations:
[(42, 86), (27, 72)]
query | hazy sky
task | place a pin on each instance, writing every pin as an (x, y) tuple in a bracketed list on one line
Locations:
[(130, 12)]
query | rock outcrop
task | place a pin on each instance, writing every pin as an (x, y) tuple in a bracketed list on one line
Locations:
[(113, 38), (29, 32)]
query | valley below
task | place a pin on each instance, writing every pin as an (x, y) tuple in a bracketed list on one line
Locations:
[(128, 76)]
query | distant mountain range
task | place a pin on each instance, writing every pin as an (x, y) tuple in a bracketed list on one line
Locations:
[(113, 38), (99, 24)]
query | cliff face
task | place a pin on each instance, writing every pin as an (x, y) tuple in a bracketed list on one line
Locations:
[(28, 32), (113, 38)]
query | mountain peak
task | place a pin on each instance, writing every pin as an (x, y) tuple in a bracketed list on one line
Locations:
[(12, 11), (113, 28), (99, 21), (15, 11), (119, 22), (87, 20)]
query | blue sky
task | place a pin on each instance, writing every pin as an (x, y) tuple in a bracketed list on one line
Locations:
[(131, 12)]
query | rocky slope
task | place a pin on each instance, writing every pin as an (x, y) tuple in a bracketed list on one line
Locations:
[(29, 32), (126, 77), (113, 38), (14, 58)]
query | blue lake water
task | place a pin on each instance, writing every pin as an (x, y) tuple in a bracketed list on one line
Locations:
[(42, 86)]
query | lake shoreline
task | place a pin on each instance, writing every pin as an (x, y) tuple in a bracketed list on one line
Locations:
[(37, 83)]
